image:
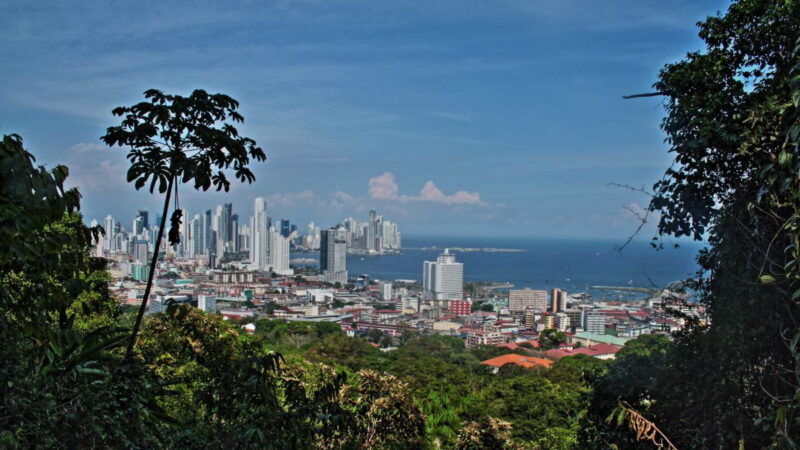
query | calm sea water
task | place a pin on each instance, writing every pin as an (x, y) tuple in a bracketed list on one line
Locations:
[(574, 265)]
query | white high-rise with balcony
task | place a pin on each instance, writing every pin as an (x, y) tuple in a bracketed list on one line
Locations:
[(443, 279)]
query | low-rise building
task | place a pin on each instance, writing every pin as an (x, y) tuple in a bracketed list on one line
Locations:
[(475, 338)]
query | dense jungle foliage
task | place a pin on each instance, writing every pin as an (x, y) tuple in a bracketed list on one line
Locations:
[(195, 381)]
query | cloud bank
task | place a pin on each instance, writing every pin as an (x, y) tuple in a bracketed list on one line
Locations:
[(384, 187)]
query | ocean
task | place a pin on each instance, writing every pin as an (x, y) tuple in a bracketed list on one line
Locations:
[(571, 264)]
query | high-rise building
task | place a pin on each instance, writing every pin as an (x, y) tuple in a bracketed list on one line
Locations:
[(183, 247), (286, 228), (197, 236), (258, 231), (208, 234), (278, 249), (110, 232), (221, 227), (594, 321), (443, 279), (333, 255), (138, 226), (140, 251), (522, 299), (142, 214), (385, 290), (555, 294), (235, 241), (562, 300)]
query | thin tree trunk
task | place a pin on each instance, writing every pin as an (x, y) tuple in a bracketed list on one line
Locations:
[(153, 262)]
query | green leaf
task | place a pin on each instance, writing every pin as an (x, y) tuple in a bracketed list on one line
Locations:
[(767, 279)]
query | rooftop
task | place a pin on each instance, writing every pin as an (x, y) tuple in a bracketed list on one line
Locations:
[(603, 338), (524, 361)]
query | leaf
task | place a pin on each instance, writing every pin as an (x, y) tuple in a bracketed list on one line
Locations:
[(784, 158), (767, 279)]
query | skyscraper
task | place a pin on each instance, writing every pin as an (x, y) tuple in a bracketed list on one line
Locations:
[(142, 214), (443, 279), (234, 238), (137, 226), (278, 252), (333, 255), (286, 228), (197, 236), (258, 231), (555, 293), (208, 234), (109, 237)]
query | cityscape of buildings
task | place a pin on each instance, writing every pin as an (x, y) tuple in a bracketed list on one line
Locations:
[(240, 269), (216, 238)]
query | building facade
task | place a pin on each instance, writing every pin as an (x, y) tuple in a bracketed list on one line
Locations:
[(521, 299), (333, 255), (443, 279)]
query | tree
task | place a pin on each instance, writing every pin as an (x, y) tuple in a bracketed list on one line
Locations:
[(57, 320), (489, 433), (542, 412), (336, 303), (731, 123), (374, 335), (483, 352), (551, 338), (185, 139), (441, 419)]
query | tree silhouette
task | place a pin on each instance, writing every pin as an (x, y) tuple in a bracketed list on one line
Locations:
[(173, 140)]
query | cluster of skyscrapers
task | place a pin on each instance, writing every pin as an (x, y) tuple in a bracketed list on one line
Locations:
[(215, 236), (375, 236), (218, 236)]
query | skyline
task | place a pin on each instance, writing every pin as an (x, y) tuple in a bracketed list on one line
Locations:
[(503, 119)]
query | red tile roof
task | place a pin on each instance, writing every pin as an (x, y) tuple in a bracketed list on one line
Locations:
[(592, 350), (524, 361), (513, 345)]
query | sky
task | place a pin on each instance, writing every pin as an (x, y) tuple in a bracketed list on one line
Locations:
[(449, 117)]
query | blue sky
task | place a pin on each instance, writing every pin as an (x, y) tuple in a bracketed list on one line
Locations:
[(450, 117)]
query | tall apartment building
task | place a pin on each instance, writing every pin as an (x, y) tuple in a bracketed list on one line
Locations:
[(385, 290), (554, 294), (594, 321), (522, 299), (258, 230), (443, 279), (333, 255), (278, 252)]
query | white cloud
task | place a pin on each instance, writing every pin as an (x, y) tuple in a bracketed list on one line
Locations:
[(291, 198), (85, 147), (384, 187), (450, 116), (342, 199)]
